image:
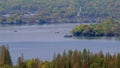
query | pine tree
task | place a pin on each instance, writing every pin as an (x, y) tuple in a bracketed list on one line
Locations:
[(8, 57), (5, 56), (21, 63)]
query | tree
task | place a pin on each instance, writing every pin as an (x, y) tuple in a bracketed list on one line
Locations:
[(21, 63), (5, 56), (76, 62)]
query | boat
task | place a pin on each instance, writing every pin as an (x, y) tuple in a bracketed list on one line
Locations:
[(57, 32), (15, 30), (68, 36)]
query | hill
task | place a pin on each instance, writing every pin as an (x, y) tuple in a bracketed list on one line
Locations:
[(58, 11)]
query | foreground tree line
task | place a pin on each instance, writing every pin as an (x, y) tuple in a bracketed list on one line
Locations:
[(70, 59), (107, 28)]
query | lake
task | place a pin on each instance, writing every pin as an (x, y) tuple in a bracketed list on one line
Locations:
[(43, 41)]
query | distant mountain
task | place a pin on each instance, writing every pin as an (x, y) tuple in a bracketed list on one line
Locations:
[(61, 10)]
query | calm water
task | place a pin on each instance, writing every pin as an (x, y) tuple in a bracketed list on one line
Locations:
[(43, 41)]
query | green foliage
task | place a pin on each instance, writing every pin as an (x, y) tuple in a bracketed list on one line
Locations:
[(58, 11), (107, 28), (92, 7), (5, 58), (7, 66), (86, 59), (34, 63), (71, 59)]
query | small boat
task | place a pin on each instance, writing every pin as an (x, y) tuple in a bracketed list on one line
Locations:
[(57, 32), (68, 36), (15, 30)]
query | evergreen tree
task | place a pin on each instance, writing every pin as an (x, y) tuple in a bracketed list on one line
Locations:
[(5, 56)]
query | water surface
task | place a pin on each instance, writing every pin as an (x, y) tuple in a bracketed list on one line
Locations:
[(43, 41)]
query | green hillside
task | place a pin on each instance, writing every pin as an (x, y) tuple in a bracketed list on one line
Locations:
[(61, 10)]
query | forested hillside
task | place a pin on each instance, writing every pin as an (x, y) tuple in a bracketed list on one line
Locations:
[(57, 11)]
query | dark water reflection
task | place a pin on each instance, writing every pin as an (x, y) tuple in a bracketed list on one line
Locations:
[(98, 38)]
